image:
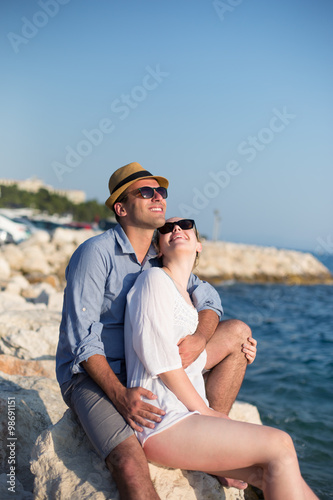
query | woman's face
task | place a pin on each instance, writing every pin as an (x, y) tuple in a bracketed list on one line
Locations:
[(179, 241)]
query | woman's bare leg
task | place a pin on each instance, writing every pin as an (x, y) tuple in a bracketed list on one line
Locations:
[(262, 456)]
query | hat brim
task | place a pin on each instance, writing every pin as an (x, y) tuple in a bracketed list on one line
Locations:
[(113, 198)]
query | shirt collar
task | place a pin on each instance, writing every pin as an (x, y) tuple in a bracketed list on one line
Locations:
[(126, 245)]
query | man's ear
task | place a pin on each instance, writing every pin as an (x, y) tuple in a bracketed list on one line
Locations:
[(119, 209)]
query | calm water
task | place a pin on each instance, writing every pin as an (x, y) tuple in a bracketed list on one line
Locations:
[(291, 381)]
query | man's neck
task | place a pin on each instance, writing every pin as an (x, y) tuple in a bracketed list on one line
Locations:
[(140, 240)]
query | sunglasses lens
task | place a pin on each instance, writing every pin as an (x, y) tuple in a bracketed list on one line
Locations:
[(167, 228), (183, 224), (147, 192), (162, 191)]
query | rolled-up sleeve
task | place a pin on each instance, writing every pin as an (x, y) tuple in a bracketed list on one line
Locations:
[(204, 296), (80, 329), (90, 345)]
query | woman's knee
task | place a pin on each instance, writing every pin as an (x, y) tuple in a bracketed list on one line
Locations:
[(283, 451)]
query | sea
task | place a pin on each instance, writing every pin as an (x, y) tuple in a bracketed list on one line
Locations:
[(291, 380)]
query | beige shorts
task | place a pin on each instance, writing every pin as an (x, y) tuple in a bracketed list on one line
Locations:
[(102, 423)]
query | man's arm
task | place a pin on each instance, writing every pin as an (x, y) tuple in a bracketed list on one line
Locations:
[(127, 401), (208, 304), (191, 347)]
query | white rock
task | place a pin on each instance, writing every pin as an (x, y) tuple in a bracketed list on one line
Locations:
[(39, 237), (13, 255), (59, 473), (12, 302), (4, 269), (17, 284), (29, 334), (35, 261), (38, 404), (56, 301), (62, 236), (250, 262), (19, 492), (39, 293)]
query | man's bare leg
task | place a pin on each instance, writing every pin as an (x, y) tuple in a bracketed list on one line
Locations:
[(227, 363), (129, 467)]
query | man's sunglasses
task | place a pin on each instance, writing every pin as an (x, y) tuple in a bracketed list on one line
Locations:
[(182, 223), (148, 192)]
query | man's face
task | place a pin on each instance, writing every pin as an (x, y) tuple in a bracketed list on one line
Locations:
[(142, 212)]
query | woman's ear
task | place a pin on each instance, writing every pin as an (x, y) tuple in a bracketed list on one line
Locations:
[(199, 247)]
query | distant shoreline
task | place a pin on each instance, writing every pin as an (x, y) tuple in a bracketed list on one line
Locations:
[(224, 261), (44, 258)]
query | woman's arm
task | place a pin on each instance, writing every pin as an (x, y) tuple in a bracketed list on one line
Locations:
[(179, 383)]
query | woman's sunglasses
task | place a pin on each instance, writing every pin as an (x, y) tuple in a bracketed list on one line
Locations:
[(182, 223)]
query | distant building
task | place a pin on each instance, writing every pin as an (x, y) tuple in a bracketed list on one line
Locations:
[(34, 185)]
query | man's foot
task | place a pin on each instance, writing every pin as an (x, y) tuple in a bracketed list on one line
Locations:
[(232, 483)]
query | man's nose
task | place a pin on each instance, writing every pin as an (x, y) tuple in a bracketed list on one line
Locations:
[(157, 196)]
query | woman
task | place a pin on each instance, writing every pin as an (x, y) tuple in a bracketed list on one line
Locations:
[(192, 435)]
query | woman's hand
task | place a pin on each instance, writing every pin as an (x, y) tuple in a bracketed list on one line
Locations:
[(250, 350)]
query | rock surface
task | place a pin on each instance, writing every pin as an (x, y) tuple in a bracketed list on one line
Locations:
[(59, 473), (38, 404), (220, 261), (43, 258), (63, 463)]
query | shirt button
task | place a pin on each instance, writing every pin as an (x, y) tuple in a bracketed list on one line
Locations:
[(83, 309)]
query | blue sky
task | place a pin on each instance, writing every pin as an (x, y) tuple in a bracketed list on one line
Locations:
[(231, 101)]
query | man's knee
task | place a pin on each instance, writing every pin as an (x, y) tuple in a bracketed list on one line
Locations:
[(236, 333), (242, 330), (127, 459), (129, 468)]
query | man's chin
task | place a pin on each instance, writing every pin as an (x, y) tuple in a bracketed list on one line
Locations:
[(159, 221)]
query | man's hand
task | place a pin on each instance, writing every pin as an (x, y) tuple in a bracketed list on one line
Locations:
[(136, 412), (250, 350), (190, 347), (127, 401)]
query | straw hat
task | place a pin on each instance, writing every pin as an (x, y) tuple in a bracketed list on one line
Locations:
[(127, 175)]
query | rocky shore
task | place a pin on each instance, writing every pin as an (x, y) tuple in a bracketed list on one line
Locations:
[(44, 453), (221, 261), (43, 259)]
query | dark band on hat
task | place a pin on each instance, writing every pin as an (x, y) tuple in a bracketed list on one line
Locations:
[(132, 177)]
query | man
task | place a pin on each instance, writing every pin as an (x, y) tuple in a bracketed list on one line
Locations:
[(90, 356)]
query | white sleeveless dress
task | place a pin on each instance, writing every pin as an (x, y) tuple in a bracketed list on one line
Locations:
[(156, 318)]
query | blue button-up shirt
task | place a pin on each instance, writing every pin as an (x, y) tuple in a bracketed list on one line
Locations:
[(99, 275)]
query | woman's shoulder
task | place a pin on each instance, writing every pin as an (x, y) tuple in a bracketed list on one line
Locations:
[(154, 281), (152, 286), (153, 276)]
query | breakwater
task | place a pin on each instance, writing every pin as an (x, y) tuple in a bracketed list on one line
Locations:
[(44, 257)]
